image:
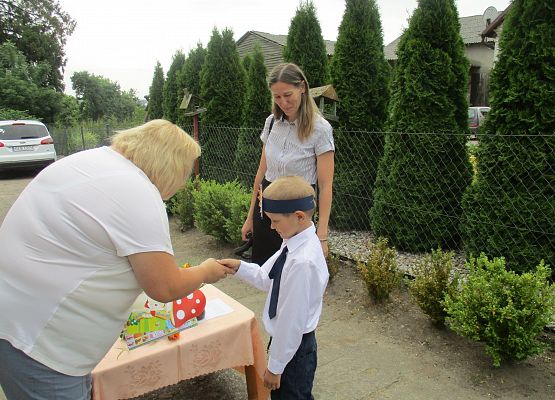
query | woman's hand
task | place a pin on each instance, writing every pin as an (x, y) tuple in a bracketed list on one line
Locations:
[(247, 228), (271, 381), (214, 271)]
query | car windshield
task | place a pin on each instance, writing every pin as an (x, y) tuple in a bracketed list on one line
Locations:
[(22, 131), (472, 114)]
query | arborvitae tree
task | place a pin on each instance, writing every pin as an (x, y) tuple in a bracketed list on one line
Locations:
[(189, 77), (156, 93), (222, 91), (172, 94), (258, 99), (425, 167), (360, 75), (258, 104), (305, 45), (246, 63), (509, 210)]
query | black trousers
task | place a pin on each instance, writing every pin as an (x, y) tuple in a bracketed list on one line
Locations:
[(265, 240), (297, 378)]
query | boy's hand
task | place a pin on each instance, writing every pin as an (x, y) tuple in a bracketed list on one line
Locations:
[(271, 381), (231, 263)]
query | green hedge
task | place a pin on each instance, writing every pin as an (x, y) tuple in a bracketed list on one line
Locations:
[(425, 168), (509, 211), (220, 209)]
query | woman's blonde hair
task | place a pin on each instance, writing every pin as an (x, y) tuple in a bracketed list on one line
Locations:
[(293, 75), (289, 188), (164, 152)]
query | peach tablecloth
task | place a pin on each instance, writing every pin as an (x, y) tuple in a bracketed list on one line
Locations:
[(228, 341)]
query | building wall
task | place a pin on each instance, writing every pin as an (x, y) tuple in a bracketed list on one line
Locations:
[(479, 55), (481, 61), (496, 39), (272, 51)]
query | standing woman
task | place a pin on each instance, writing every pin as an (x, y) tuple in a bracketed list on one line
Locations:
[(297, 140)]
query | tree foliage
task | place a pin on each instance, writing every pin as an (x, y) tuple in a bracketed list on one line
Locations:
[(222, 91), (258, 103), (360, 75), (258, 100), (172, 95), (156, 93), (422, 175), (189, 77), (510, 208), (305, 45), (101, 98), (20, 87), (39, 29)]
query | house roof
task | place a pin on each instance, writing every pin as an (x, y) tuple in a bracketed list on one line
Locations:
[(327, 91), (490, 31), (471, 33), (282, 40)]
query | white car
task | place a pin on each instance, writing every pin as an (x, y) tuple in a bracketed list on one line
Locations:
[(25, 144)]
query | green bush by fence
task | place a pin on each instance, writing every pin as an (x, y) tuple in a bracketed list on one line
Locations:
[(221, 209), (504, 310)]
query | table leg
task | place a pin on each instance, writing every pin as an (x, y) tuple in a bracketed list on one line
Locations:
[(255, 386)]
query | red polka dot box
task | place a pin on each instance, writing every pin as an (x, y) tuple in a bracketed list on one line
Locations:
[(151, 320)]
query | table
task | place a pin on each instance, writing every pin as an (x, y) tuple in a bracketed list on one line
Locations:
[(228, 341)]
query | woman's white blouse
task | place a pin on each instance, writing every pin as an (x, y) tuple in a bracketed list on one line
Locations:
[(287, 155)]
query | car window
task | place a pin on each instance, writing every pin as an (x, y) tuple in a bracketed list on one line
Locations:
[(484, 111), (471, 114), (15, 132)]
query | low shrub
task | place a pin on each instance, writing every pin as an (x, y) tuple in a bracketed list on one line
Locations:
[(76, 141), (504, 310), (433, 280), (239, 203), (182, 204), (220, 209), (380, 271)]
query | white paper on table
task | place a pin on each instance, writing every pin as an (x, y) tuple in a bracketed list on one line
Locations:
[(215, 308)]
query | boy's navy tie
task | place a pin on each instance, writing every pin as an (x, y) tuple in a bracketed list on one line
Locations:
[(275, 274)]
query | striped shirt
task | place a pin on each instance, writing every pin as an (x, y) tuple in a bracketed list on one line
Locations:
[(287, 155)]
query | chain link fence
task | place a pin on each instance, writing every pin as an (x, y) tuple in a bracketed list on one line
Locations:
[(87, 135), (424, 190)]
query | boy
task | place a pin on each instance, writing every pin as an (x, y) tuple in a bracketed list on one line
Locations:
[(295, 278)]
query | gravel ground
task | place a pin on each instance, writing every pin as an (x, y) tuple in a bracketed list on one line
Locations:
[(353, 245)]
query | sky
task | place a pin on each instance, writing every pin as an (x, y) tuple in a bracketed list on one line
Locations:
[(123, 39)]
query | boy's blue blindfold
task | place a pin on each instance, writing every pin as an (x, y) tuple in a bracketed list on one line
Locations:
[(287, 206)]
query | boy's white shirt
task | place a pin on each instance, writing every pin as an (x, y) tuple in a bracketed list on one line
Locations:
[(303, 281)]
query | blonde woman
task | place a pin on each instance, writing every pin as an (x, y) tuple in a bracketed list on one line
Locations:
[(297, 140), (83, 239)]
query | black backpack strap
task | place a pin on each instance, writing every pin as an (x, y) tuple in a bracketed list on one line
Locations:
[(271, 125)]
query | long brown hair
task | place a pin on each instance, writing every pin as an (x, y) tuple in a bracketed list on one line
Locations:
[(293, 75)]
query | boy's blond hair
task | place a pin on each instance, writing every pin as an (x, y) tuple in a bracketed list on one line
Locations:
[(164, 152), (290, 188)]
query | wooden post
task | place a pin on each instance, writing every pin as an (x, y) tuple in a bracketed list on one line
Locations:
[(196, 137)]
